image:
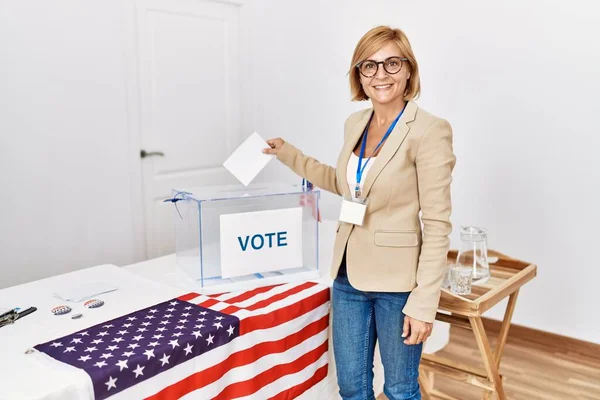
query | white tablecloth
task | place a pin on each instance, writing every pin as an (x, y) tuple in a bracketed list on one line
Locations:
[(32, 376)]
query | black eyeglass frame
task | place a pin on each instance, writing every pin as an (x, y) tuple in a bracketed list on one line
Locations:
[(401, 59)]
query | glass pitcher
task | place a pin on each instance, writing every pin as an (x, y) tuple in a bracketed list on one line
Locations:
[(473, 253)]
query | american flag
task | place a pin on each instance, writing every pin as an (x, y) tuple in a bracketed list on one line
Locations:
[(266, 343)]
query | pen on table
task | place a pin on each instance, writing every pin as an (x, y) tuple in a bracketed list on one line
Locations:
[(26, 312)]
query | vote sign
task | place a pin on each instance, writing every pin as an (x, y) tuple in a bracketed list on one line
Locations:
[(260, 241)]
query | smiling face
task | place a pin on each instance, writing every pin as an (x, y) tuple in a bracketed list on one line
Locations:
[(385, 87)]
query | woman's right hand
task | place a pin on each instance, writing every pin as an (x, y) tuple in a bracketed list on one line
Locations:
[(275, 146)]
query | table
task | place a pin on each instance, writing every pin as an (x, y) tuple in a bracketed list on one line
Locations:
[(508, 275), (27, 376), (298, 320)]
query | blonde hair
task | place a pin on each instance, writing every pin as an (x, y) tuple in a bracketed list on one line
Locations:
[(370, 43)]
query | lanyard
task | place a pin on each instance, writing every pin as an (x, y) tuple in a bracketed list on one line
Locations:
[(360, 168)]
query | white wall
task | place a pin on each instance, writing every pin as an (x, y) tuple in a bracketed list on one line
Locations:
[(65, 191), (517, 80)]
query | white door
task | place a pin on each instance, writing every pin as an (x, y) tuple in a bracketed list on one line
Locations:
[(189, 72)]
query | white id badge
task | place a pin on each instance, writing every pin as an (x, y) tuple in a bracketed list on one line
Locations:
[(353, 211)]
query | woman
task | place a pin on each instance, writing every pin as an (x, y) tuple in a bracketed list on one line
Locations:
[(397, 161)]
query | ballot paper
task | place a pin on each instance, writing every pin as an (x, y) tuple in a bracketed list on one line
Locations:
[(246, 162)]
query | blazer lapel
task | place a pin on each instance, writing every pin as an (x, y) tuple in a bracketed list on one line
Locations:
[(390, 147), (350, 143)]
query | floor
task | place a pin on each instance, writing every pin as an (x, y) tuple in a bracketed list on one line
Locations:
[(531, 370)]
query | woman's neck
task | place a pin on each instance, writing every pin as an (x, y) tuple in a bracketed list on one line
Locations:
[(386, 113)]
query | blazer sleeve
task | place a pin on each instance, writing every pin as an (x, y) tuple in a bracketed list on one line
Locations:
[(435, 161), (319, 174)]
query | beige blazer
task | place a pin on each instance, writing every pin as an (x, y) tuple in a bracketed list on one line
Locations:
[(411, 174)]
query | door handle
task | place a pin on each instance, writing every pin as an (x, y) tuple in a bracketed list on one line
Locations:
[(144, 154)]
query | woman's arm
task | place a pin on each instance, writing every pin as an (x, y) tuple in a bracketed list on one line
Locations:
[(435, 161), (321, 175)]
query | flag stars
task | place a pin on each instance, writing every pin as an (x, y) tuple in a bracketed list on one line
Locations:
[(122, 364), (139, 371), (112, 383), (149, 353), (165, 359), (209, 339), (136, 341)]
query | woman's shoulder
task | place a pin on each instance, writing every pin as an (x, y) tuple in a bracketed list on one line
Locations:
[(358, 115), (425, 119)]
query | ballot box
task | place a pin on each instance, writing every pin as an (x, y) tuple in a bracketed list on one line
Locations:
[(233, 235)]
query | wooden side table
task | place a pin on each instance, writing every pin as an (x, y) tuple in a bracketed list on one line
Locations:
[(507, 277)]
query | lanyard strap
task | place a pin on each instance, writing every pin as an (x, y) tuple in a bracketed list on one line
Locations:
[(360, 168)]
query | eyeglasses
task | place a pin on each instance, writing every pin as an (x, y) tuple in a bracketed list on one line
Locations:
[(391, 65)]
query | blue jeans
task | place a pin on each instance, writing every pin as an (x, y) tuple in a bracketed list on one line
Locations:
[(359, 320)]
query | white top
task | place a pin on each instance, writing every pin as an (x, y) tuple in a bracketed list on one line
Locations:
[(351, 172)]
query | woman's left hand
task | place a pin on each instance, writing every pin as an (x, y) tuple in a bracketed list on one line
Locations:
[(415, 331)]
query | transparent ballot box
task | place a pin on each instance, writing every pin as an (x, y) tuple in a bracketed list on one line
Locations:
[(232, 236)]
